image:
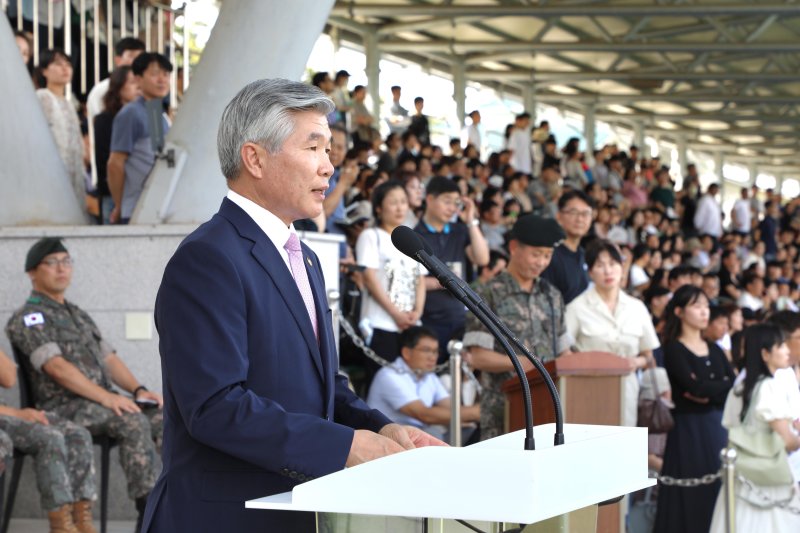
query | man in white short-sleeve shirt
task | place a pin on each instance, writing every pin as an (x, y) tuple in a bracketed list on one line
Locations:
[(409, 392)]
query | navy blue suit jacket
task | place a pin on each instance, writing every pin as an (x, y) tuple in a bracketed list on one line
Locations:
[(253, 405)]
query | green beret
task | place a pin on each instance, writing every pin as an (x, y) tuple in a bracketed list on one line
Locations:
[(43, 247), (534, 230)]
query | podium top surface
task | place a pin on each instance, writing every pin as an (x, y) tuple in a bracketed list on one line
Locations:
[(495, 480)]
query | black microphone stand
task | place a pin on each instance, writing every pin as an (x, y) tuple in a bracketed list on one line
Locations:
[(465, 294)]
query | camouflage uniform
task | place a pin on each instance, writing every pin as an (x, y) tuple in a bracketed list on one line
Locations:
[(43, 329), (531, 317), (62, 455)]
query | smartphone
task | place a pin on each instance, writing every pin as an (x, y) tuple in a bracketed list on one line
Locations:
[(145, 402)]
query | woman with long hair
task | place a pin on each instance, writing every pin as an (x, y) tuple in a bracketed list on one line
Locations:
[(395, 295), (55, 69), (701, 377), (122, 89), (763, 405)]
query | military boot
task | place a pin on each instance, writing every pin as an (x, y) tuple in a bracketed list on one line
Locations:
[(82, 516), (61, 520)]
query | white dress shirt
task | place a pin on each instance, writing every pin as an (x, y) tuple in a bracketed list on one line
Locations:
[(271, 225)]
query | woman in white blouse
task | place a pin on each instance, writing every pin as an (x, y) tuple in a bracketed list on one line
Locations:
[(56, 69), (395, 295), (606, 319)]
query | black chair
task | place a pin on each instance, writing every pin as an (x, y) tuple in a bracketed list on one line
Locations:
[(104, 441)]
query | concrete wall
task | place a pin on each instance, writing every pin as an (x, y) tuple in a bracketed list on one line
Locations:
[(116, 276)]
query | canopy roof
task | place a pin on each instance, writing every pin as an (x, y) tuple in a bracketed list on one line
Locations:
[(723, 75)]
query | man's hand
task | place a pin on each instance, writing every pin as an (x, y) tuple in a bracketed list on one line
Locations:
[(147, 395), (119, 404), (33, 415), (409, 437), (114, 216), (368, 445)]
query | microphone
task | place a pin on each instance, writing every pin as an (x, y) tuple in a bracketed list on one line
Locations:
[(412, 245)]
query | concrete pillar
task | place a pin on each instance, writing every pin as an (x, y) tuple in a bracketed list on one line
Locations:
[(250, 41), (460, 91), (638, 138), (682, 157), (719, 164), (589, 125), (752, 168), (529, 101), (36, 189), (373, 72)]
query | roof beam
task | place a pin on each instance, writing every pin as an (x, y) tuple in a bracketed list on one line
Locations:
[(575, 77), (671, 117), (550, 11), (465, 47), (675, 98)]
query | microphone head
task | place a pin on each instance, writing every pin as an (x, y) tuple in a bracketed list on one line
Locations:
[(407, 241)]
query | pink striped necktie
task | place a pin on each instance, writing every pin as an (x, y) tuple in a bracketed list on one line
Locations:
[(300, 275)]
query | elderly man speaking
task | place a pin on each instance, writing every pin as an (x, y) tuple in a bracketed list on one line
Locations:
[(253, 401)]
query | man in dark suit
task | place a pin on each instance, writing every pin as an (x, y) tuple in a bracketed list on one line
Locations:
[(253, 401)]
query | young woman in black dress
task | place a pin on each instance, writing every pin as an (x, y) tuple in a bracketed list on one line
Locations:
[(700, 376)]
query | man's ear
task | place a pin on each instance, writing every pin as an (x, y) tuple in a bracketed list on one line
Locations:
[(253, 157)]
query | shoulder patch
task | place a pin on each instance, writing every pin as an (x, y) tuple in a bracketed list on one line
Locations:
[(33, 319)]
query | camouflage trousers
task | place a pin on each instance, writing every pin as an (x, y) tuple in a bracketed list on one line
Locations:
[(493, 413), (62, 456), (138, 435)]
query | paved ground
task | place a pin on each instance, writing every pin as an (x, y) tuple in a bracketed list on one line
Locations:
[(35, 525)]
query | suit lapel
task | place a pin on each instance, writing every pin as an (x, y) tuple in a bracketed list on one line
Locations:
[(267, 256), (326, 343)]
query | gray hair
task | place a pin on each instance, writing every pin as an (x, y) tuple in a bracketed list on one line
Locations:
[(263, 113)]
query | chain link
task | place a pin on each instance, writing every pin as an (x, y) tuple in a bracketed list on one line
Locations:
[(757, 497), (361, 345), (707, 479), (764, 500)]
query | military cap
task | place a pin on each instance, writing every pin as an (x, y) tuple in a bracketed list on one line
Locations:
[(534, 230), (43, 247)]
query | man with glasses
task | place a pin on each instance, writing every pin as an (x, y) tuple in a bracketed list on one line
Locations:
[(73, 369), (567, 270), (457, 245), (409, 392)]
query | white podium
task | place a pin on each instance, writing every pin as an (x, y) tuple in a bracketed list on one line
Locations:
[(492, 481)]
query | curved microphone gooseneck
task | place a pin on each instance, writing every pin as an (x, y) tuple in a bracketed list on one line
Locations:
[(409, 243)]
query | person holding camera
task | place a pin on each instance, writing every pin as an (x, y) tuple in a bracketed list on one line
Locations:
[(73, 369)]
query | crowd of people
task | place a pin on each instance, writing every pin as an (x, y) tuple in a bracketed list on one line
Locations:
[(108, 143), (594, 251), (575, 251)]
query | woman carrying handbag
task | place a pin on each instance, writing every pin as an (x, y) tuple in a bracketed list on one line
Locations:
[(758, 415)]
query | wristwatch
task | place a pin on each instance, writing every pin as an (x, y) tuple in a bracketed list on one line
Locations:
[(137, 389)]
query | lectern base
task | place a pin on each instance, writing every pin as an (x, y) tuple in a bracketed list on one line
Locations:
[(578, 521)]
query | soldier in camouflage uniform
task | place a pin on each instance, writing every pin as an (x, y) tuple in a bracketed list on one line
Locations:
[(531, 308), (73, 369), (62, 455)]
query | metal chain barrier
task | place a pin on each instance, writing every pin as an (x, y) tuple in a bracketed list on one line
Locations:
[(361, 345), (707, 479), (765, 500)]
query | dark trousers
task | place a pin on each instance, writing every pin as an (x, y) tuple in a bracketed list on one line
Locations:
[(387, 345)]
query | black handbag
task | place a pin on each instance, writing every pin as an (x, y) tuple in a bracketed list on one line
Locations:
[(655, 414)]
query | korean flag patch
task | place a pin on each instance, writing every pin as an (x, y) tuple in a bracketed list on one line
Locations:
[(33, 319)]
